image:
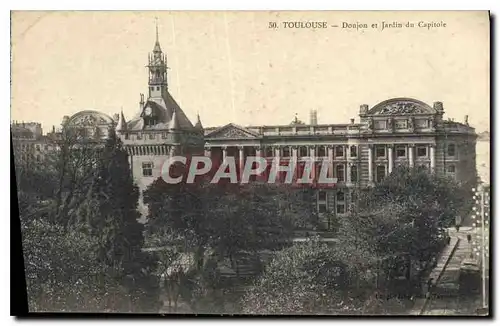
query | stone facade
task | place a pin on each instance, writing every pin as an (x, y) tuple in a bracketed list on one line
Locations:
[(395, 132)]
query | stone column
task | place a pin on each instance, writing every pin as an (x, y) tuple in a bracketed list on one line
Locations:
[(295, 159), (410, 155), (224, 153), (241, 159), (390, 157), (258, 151), (348, 171), (432, 154), (370, 163), (208, 152), (312, 155)]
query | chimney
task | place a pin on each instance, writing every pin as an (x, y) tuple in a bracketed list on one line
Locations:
[(314, 117), (141, 102), (352, 121), (363, 109), (466, 120)]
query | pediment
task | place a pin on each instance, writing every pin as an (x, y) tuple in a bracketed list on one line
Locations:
[(401, 106), (232, 131)]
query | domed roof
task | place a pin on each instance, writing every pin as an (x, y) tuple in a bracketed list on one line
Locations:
[(90, 117), (401, 106)]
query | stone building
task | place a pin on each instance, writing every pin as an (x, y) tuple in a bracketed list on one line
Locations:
[(160, 128), (29, 143), (394, 132)]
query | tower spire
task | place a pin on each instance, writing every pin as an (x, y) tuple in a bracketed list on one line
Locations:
[(157, 67), (156, 22)]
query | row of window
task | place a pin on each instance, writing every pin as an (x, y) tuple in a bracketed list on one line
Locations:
[(400, 124), (164, 135), (303, 151), (421, 150), (340, 202), (37, 147)]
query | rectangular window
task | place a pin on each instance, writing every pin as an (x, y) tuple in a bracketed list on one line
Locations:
[(321, 207), (421, 151), (286, 151), (339, 170), (147, 169), (380, 151), (303, 151), (126, 135), (322, 195), (38, 148), (340, 208), (380, 172), (354, 173), (269, 152), (450, 169), (401, 124), (340, 196), (339, 151), (400, 151), (451, 150), (354, 151)]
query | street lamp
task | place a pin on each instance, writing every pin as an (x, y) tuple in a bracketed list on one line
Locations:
[(480, 244)]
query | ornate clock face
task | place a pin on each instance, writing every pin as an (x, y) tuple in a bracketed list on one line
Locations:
[(148, 111)]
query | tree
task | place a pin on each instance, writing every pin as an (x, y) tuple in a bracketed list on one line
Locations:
[(111, 215), (307, 278), (398, 223), (228, 220)]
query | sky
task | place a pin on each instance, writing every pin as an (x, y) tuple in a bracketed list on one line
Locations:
[(231, 67)]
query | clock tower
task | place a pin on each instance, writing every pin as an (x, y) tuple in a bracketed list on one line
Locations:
[(157, 66)]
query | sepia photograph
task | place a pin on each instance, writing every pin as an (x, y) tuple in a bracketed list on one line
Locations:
[(305, 163)]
